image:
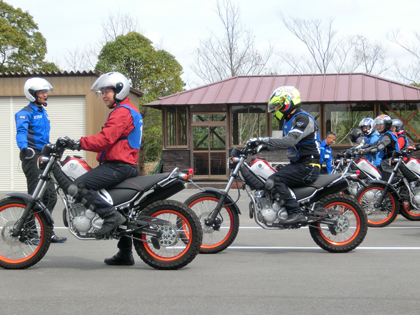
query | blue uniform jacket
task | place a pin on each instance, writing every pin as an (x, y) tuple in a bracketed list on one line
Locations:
[(33, 127), (326, 156)]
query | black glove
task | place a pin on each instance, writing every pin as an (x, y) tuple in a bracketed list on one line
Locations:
[(255, 142), (417, 146), (26, 154), (260, 148), (73, 144)]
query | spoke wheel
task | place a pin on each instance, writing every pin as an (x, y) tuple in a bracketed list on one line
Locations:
[(349, 230), (180, 237), (378, 216), (221, 235), (31, 245)]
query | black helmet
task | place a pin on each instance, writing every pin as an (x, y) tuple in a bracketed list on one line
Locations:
[(354, 134)]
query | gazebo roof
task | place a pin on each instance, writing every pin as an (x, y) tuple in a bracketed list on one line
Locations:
[(314, 88)]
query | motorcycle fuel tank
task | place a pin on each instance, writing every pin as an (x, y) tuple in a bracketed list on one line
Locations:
[(262, 168), (75, 167), (367, 167), (414, 166)]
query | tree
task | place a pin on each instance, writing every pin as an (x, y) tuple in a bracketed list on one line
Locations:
[(219, 58), (22, 46), (114, 25), (329, 53), (155, 72), (410, 73)]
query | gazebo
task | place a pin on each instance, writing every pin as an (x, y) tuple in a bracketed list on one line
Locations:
[(202, 125)]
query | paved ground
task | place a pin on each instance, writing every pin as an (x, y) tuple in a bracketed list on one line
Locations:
[(272, 272)]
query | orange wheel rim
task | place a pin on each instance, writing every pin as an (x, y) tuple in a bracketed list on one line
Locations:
[(184, 224), (18, 261), (230, 227)]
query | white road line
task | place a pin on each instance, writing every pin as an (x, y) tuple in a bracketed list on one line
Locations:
[(316, 248)]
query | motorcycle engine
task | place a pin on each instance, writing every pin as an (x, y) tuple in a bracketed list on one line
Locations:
[(269, 209), (85, 221), (416, 191)]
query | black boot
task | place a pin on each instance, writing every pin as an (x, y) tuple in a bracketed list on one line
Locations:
[(111, 221), (294, 218), (121, 258)]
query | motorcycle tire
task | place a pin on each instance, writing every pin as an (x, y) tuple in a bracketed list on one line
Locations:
[(378, 216), (215, 239), (31, 245), (409, 212), (180, 240), (351, 227)]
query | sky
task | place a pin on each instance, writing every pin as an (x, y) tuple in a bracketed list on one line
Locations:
[(179, 25)]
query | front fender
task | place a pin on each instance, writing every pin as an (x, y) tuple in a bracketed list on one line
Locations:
[(220, 194), (27, 199)]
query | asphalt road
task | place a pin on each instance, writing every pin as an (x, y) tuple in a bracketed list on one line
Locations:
[(263, 272)]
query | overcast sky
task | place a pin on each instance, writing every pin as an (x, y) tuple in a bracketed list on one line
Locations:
[(180, 24)]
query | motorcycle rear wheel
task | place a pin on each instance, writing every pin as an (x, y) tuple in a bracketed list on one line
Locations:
[(351, 227), (180, 241), (378, 217), (25, 250), (214, 240)]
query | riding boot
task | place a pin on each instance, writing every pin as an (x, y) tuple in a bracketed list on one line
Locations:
[(121, 258), (111, 220)]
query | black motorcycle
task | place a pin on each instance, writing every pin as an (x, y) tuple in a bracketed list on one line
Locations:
[(336, 221), (166, 234)]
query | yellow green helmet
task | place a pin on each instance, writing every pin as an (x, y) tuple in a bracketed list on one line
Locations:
[(286, 98)]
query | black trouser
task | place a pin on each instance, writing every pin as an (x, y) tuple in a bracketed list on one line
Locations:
[(106, 176), (293, 175), (32, 172)]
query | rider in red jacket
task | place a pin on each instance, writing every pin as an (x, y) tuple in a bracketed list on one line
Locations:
[(106, 142)]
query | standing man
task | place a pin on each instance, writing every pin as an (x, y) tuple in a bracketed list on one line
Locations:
[(33, 132), (118, 146), (326, 151)]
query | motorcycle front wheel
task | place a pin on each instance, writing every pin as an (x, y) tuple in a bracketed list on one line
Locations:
[(382, 215), (350, 228), (221, 235), (180, 238), (30, 246)]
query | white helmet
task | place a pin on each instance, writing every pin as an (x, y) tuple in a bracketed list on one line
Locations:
[(114, 80), (33, 85)]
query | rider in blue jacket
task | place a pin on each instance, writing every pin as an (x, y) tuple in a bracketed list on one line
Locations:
[(387, 143), (326, 151), (371, 135)]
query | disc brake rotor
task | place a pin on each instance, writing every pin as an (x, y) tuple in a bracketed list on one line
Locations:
[(207, 229), (169, 235), (6, 237)]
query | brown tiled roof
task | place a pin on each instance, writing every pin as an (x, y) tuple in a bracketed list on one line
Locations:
[(314, 88)]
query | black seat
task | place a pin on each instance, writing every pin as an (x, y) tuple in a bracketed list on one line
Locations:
[(141, 183), (325, 179)]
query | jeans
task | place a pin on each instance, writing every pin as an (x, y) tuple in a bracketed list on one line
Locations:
[(293, 175)]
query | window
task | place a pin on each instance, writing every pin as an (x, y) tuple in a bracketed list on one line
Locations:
[(176, 126), (342, 118), (248, 122)]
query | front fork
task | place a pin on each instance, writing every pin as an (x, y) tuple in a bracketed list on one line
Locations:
[(34, 200), (386, 189), (213, 220)]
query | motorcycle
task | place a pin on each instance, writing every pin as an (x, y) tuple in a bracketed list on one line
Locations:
[(336, 221), (166, 234), (398, 192), (350, 161)]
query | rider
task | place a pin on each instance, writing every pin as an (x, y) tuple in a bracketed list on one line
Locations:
[(118, 146), (386, 144), (33, 132), (397, 127), (371, 135), (326, 151), (301, 138)]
